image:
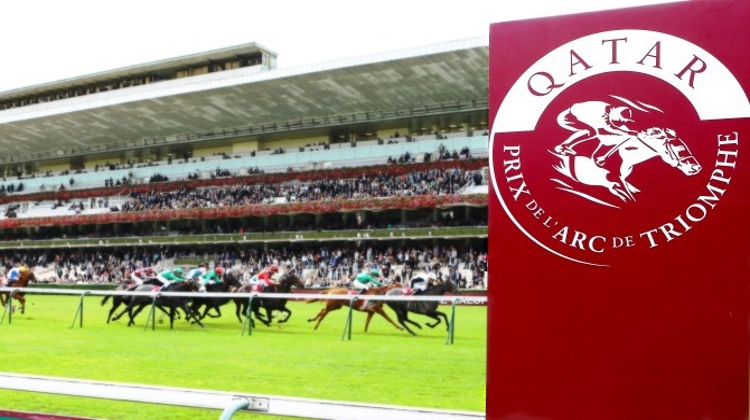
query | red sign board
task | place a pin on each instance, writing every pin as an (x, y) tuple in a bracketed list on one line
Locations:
[(618, 218)]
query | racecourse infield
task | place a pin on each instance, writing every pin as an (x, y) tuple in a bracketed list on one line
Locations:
[(383, 366)]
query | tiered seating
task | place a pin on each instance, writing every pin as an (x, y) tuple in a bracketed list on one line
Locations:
[(366, 153), (303, 165)]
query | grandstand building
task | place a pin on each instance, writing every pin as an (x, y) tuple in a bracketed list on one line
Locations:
[(221, 156)]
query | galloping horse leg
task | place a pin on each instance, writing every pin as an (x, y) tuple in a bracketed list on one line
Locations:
[(166, 312), (405, 319), (267, 318), (260, 318), (190, 314), (2, 298), (129, 310), (287, 312), (382, 313), (402, 319), (369, 317), (436, 316), (172, 311), (117, 301), (626, 188), (269, 315), (322, 314), (198, 315), (22, 301), (115, 304), (616, 189), (208, 312), (118, 316), (240, 308), (132, 314)]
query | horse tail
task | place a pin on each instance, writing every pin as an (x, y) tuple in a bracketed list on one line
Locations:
[(105, 299)]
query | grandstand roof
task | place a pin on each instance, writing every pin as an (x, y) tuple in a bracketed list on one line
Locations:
[(454, 72), (156, 66)]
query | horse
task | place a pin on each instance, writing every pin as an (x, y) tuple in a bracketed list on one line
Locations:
[(269, 304), (371, 307), (230, 284), (402, 308), (644, 145), (118, 300), (23, 281), (171, 302)]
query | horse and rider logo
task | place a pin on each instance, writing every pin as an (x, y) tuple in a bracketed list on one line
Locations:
[(599, 154), (616, 147)]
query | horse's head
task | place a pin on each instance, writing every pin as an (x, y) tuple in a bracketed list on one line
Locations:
[(451, 287), (26, 276), (671, 149), (290, 279), (384, 288), (232, 281)]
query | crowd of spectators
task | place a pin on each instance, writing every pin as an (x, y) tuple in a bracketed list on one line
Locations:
[(158, 178), (90, 267), (220, 173), (11, 188), (315, 147), (11, 212), (431, 182), (187, 157), (320, 267), (368, 221), (111, 182)]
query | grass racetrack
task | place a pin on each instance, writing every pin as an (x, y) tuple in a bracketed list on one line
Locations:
[(383, 366)]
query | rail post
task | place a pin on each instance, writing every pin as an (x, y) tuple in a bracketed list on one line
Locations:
[(348, 326), (248, 322), (452, 323), (152, 315), (80, 310), (8, 307), (237, 405)]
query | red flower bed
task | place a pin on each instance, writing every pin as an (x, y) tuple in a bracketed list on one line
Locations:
[(310, 207), (276, 178)]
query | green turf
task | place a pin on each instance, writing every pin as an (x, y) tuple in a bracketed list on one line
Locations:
[(384, 366)]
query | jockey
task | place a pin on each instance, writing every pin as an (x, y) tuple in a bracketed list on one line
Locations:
[(254, 280), (594, 120), (420, 284), (195, 273), (265, 275), (364, 279), (211, 277), (15, 274), (168, 277), (143, 274)]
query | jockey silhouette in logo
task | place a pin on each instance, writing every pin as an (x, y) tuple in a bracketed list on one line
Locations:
[(595, 120)]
